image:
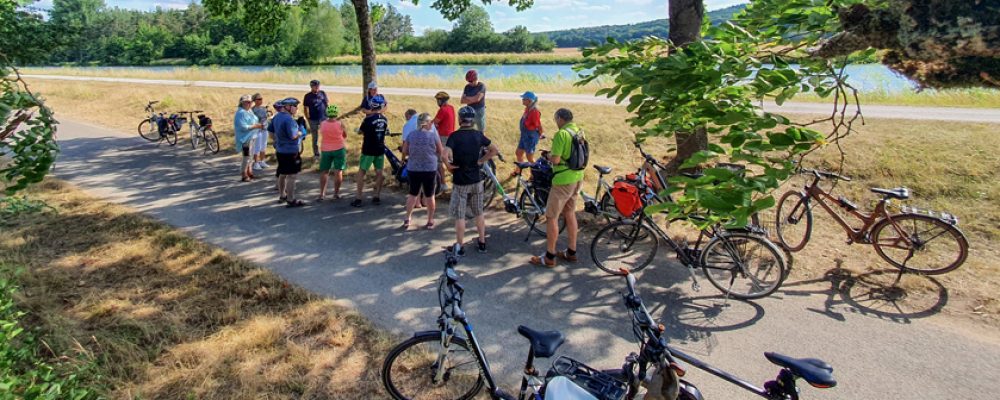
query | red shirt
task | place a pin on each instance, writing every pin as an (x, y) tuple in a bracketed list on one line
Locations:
[(533, 119), (446, 120)]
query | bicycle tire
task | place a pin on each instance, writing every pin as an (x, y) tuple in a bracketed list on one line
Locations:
[(194, 139), (529, 214), (937, 229), (785, 223), (489, 187), (394, 386), (763, 266), (149, 131), (170, 135), (211, 141), (625, 243)]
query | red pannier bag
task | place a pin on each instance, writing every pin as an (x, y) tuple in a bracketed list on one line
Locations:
[(627, 198)]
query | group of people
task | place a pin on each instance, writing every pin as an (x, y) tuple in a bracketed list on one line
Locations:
[(432, 147)]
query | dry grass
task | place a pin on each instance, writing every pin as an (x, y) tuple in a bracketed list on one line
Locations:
[(558, 56), (950, 166), (168, 317)]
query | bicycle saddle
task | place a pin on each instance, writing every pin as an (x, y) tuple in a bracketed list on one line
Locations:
[(602, 169), (543, 344), (815, 371), (900, 193)]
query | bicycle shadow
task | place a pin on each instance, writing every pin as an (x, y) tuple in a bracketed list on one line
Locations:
[(873, 294)]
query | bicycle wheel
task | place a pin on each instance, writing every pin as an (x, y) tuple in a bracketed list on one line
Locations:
[(920, 243), (607, 209), (148, 130), (410, 368), (743, 265), (211, 141), (624, 244), (534, 216), (489, 187), (194, 139), (793, 221), (170, 135)]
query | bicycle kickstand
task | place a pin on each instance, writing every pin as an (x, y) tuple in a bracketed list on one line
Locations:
[(531, 228)]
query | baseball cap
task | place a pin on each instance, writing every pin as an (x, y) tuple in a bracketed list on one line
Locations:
[(245, 98), (290, 102), (372, 85), (314, 82), (530, 96)]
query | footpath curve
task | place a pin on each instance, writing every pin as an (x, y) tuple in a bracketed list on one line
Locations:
[(985, 115), (362, 258)]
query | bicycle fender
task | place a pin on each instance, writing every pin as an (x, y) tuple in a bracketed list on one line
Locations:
[(427, 333)]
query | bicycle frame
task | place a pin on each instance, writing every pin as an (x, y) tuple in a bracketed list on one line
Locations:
[(590, 203), (814, 192)]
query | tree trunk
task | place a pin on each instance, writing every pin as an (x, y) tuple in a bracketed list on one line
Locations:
[(685, 27), (367, 37)]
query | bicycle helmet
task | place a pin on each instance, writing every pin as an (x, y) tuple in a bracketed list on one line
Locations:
[(442, 95), (466, 114), (290, 102), (332, 111), (376, 103)]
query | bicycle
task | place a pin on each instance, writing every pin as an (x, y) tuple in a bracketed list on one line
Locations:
[(157, 127), (656, 353), (201, 131), (898, 238), (737, 261), (605, 207)]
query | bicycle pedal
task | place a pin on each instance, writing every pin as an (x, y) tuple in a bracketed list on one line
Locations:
[(695, 286)]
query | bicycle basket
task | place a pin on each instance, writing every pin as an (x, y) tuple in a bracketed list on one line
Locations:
[(627, 198), (204, 121), (599, 384)]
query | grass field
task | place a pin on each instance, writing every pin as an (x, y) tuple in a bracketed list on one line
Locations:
[(163, 316), (949, 166), (976, 98)]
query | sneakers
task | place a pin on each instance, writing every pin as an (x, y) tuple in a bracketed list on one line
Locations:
[(257, 167), (481, 246), (263, 165), (356, 203), (461, 251), (376, 201)]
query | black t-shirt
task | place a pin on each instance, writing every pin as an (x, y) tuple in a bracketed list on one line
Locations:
[(475, 90), (466, 148), (374, 128)]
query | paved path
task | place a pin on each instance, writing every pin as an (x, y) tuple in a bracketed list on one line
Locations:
[(361, 257), (988, 115)]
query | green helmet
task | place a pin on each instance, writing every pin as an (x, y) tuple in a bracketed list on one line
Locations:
[(332, 111)]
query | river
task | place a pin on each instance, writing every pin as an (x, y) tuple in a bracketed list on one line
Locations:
[(865, 77)]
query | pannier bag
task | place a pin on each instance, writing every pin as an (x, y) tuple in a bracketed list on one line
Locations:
[(541, 174), (161, 125), (627, 198), (204, 121)]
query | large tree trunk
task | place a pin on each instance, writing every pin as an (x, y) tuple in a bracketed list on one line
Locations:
[(685, 27), (365, 31)]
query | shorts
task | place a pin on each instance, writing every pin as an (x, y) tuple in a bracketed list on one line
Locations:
[(367, 161), (464, 197), (289, 163), (260, 144), (422, 181), (529, 139), (562, 198), (336, 159)]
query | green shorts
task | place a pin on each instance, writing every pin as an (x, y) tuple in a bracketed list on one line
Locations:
[(336, 159), (367, 161)]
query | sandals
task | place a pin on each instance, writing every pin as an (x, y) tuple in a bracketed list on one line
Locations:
[(282, 200), (295, 203), (406, 224), (356, 203), (320, 199), (376, 201), (429, 226), (542, 260), (566, 256)]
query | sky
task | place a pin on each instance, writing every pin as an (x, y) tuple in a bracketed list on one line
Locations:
[(545, 15)]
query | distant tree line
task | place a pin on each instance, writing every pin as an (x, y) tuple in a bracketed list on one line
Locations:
[(580, 37), (90, 32)]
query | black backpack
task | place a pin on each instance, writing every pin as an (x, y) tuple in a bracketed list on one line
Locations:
[(579, 155)]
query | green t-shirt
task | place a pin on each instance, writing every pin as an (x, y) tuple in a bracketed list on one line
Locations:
[(562, 145)]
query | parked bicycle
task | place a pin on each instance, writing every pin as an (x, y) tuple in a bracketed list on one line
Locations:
[(529, 197), (158, 126), (926, 243), (601, 205), (201, 132)]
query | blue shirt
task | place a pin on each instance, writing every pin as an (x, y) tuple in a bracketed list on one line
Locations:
[(366, 102), (241, 125), (316, 103), (285, 129)]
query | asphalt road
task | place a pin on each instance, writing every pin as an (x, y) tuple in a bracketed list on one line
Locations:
[(360, 257), (987, 115)]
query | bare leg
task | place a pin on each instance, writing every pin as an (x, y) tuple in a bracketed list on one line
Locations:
[(338, 178), (361, 183), (281, 185), (411, 201), (431, 206), (571, 229), (290, 187), (324, 177), (551, 234), (481, 227), (460, 230), (379, 178)]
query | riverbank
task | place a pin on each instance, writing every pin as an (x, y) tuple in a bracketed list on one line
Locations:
[(566, 56), (156, 314), (451, 77)]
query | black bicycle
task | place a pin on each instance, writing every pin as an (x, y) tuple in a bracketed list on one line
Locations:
[(159, 126)]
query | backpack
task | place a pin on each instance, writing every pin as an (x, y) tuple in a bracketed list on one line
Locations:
[(579, 155)]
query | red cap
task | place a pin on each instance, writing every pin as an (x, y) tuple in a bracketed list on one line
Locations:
[(471, 76)]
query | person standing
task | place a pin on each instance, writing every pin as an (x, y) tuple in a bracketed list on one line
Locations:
[(374, 129), (260, 142), (316, 103), (334, 157), (531, 129), (424, 151), (411, 123), (464, 152), (444, 121), (562, 197), (287, 136), (474, 96), (366, 102), (245, 125)]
